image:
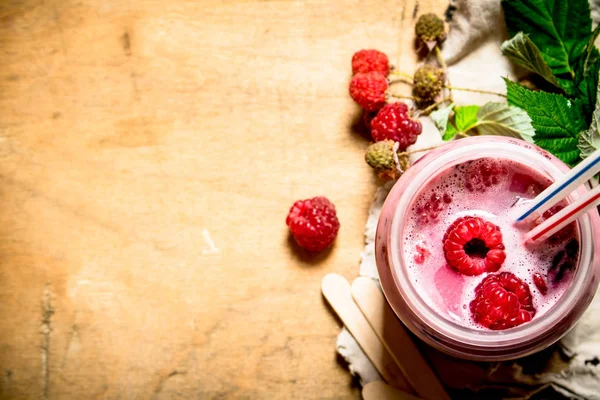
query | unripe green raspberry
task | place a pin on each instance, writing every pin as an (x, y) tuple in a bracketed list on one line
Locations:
[(381, 156), (428, 83), (430, 28)]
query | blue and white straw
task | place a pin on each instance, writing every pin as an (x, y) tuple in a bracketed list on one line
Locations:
[(561, 188)]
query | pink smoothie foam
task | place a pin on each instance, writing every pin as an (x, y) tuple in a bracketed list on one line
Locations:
[(497, 190)]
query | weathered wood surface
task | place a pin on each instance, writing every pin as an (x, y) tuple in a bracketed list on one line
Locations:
[(149, 152)]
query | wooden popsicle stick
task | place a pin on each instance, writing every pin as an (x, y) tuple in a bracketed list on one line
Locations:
[(337, 291), (396, 340), (379, 390)]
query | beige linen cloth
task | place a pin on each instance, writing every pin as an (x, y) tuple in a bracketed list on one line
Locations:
[(570, 369)]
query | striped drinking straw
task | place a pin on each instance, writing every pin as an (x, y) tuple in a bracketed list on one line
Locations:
[(561, 188), (558, 191)]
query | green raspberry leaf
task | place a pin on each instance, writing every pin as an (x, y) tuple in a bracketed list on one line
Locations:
[(465, 117), (557, 120), (586, 76), (504, 120), (591, 54), (450, 132), (522, 51), (440, 117), (589, 139), (587, 87), (559, 28)]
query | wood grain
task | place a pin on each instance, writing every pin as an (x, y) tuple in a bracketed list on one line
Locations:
[(149, 152), (379, 390)]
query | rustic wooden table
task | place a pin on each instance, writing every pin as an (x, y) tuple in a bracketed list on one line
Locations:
[(149, 152)]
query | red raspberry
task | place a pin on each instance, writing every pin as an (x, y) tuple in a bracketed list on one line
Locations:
[(502, 301), (473, 245), (313, 223), (368, 90), (540, 283), (392, 122), (369, 61), (484, 173)]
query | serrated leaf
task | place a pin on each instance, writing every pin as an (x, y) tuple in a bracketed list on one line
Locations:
[(557, 120), (521, 50), (560, 28), (587, 87), (589, 139), (440, 117), (504, 120), (450, 132), (568, 86), (465, 117), (591, 54)]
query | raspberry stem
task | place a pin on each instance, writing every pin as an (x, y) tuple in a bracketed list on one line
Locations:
[(440, 58), (402, 75), (400, 96), (438, 55), (435, 105), (396, 79), (406, 153), (475, 90)]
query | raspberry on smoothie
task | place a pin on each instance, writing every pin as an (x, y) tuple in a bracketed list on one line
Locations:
[(502, 301), (498, 282), (473, 246)]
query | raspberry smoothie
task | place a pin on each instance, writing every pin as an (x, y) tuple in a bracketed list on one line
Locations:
[(452, 264), (465, 256)]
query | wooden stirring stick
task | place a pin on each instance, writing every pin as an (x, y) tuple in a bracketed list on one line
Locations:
[(379, 390), (336, 290), (396, 340)]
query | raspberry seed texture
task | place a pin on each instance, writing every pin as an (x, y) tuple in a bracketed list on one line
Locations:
[(313, 223), (502, 301), (370, 61), (393, 123), (473, 246), (368, 90)]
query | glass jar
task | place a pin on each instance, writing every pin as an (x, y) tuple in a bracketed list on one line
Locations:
[(439, 331)]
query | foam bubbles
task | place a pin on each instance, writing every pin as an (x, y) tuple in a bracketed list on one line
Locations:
[(497, 203)]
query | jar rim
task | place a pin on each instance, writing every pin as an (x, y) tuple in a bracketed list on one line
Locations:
[(450, 331)]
